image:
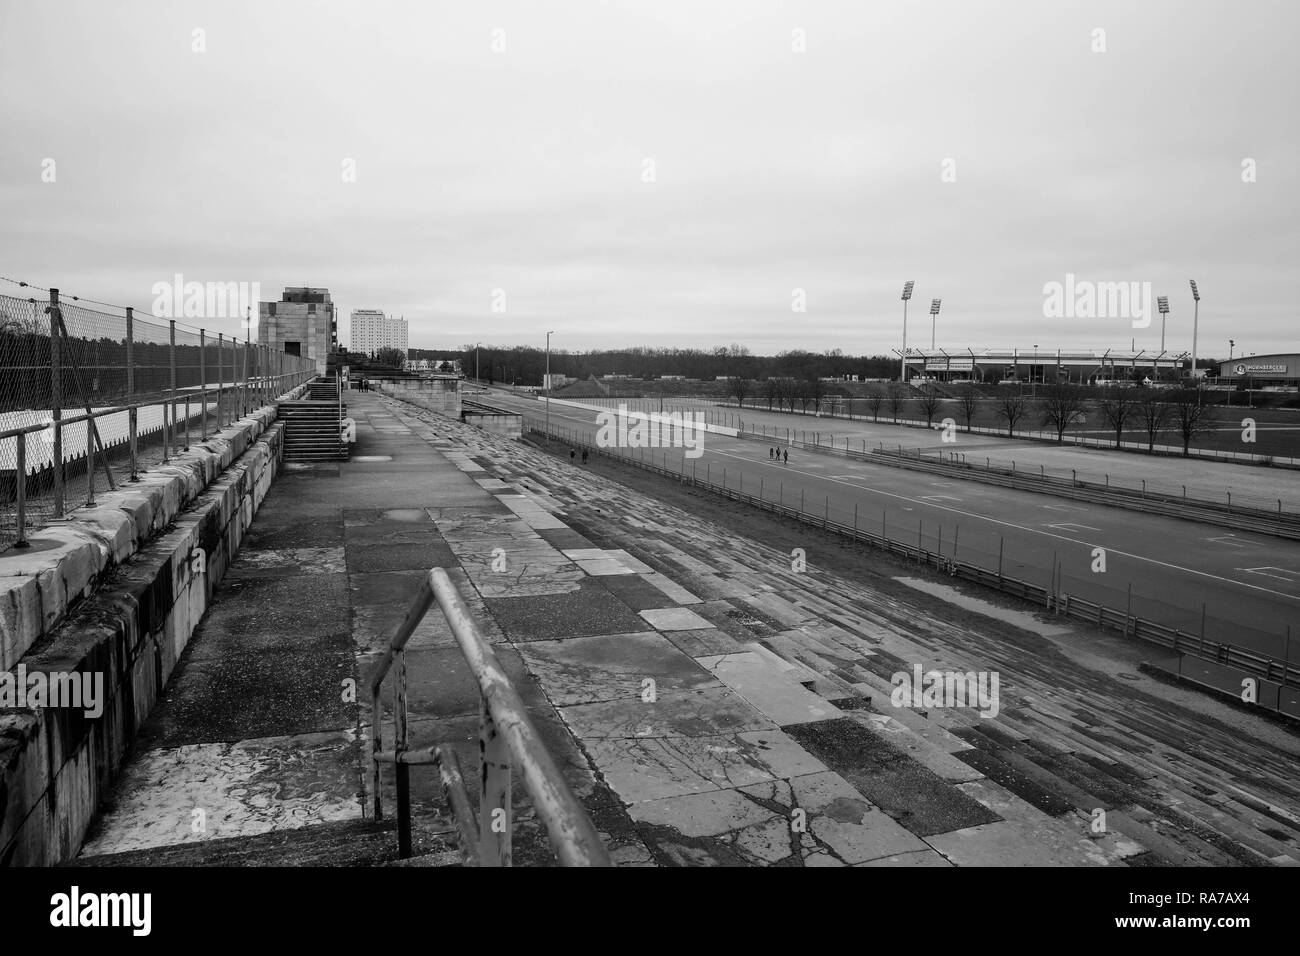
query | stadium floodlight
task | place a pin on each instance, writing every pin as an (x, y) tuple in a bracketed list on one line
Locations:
[(934, 315), (1196, 321), (902, 368), (1231, 345), (1162, 303)]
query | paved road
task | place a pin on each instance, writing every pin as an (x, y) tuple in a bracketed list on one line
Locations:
[(1249, 585)]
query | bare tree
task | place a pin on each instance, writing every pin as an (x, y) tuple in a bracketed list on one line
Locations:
[(1190, 416), (930, 403), (392, 357), (1011, 408), (896, 396), (874, 402), (1153, 412), (968, 402), (816, 391), (772, 392), (1117, 406), (1062, 406), (738, 388)]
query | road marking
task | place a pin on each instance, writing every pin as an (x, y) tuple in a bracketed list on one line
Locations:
[(1065, 525), (1230, 540), (938, 498), (1290, 577), (1062, 508)]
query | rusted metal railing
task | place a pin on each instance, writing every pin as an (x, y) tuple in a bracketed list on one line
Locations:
[(507, 740)]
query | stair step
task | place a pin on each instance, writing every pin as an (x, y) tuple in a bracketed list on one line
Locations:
[(341, 843)]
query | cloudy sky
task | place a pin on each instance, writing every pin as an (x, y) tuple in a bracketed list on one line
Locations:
[(667, 173)]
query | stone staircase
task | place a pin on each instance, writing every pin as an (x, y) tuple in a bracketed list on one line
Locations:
[(313, 430)]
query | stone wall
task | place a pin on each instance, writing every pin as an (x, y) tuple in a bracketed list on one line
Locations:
[(114, 592), (441, 395)]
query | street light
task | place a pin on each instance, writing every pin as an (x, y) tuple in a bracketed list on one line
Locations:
[(1162, 303), (1196, 321), (902, 362), (1231, 344), (934, 315), (547, 383)]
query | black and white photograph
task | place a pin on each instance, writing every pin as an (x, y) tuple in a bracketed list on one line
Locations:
[(649, 434)]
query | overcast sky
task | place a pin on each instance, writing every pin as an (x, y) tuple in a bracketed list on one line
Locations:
[(773, 169)]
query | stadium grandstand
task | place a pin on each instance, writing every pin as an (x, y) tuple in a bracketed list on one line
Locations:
[(1035, 364)]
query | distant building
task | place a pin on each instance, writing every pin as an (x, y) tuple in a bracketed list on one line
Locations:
[(302, 323), (372, 331), (556, 380)]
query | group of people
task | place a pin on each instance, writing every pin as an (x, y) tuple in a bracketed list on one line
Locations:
[(573, 455), (775, 454)]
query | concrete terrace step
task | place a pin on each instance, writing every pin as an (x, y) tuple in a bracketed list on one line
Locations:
[(1180, 780), (347, 843)]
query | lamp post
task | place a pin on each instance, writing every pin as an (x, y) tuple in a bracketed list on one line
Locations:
[(1162, 303), (476, 348), (902, 361), (1231, 345), (547, 383), (934, 316)]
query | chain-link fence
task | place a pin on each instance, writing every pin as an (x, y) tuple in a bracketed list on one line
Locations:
[(90, 399)]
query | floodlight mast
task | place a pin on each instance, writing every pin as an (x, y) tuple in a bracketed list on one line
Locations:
[(1162, 302), (1196, 321), (902, 356), (934, 315)]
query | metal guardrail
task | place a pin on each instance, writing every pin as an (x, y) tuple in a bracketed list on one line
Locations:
[(507, 739), (1052, 599)]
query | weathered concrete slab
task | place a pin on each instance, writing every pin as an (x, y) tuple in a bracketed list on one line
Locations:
[(674, 619), (611, 667), (782, 699), (219, 790)]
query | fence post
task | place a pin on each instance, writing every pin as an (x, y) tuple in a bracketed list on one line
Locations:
[(494, 797), (1001, 544), (169, 406), (56, 401), (20, 491), (826, 516), (1128, 608), (132, 418), (402, 770), (203, 386)]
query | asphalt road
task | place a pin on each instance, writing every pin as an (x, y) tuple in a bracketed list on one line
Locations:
[(1248, 585)]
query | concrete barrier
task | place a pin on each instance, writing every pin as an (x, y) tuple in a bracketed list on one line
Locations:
[(168, 540), (441, 395)]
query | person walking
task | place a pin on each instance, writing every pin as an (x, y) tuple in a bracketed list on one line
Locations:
[(787, 456), (584, 456), (572, 454)]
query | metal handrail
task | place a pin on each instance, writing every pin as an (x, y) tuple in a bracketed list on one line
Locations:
[(507, 738)]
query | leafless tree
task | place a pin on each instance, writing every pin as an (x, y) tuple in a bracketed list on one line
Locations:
[(931, 400), (896, 396), (1011, 408), (1117, 406), (1190, 416), (738, 388), (1062, 406), (968, 402), (1153, 412), (874, 402)]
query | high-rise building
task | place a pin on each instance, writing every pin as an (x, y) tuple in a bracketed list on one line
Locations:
[(302, 323), (372, 331)]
